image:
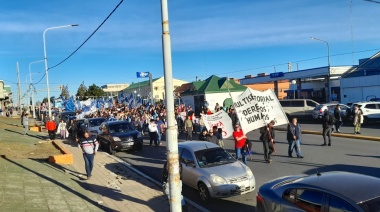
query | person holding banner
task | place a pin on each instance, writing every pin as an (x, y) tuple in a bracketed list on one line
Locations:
[(239, 143), (267, 137)]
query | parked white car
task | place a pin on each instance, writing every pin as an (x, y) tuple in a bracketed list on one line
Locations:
[(300, 108), (371, 110), (319, 110)]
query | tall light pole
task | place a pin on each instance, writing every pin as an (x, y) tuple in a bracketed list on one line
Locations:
[(328, 99), (31, 86), (46, 64), (171, 135), (294, 83)]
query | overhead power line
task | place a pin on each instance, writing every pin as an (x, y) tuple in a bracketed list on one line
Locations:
[(297, 61)]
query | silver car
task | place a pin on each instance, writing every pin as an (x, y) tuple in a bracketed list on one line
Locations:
[(329, 191), (319, 110), (92, 125), (213, 171)]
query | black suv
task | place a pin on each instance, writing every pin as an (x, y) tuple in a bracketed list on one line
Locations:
[(119, 136)]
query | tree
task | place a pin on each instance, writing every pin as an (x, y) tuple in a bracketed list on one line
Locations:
[(94, 90), (65, 92), (45, 100), (82, 90)]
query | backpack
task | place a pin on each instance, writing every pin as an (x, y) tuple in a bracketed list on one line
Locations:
[(331, 120)]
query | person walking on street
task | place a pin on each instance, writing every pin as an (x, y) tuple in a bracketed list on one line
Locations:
[(25, 123), (160, 127), (50, 127), (327, 124), (203, 135), (233, 117), (267, 137), (89, 146), (212, 138), (153, 130), (62, 129), (338, 118), (240, 139), (189, 129), (221, 142), (201, 124), (294, 138), (358, 119)]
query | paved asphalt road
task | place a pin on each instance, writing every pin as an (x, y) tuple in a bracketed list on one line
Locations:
[(351, 155)]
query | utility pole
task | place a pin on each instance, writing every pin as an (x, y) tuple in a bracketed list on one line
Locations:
[(171, 136), (151, 88), (18, 87)]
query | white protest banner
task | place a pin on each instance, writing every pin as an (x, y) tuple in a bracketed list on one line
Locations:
[(221, 120), (256, 109)]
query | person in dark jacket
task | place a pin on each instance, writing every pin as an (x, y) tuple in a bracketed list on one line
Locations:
[(294, 138), (203, 135), (212, 138), (327, 127), (267, 137), (233, 117), (338, 118)]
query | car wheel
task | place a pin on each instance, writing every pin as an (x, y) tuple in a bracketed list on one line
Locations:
[(110, 150), (203, 192)]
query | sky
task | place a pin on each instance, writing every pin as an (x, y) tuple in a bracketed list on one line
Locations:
[(220, 37)]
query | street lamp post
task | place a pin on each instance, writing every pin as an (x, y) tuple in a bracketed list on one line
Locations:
[(46, 64), (294, 82), (328, 63), (31, 86)]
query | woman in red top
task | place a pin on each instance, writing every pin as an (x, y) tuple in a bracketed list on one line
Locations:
[(240, 139)]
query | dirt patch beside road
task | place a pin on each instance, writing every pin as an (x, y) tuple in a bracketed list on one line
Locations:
[(22, 151), (14, 144)]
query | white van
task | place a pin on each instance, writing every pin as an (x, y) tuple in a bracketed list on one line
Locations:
[(300, 108)]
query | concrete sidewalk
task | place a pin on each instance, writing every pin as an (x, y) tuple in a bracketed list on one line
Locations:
[(37, 185), (118, 187)]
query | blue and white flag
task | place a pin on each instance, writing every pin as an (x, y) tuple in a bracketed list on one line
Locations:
[(109, 103), (100, 103), (139, 102), (147, 106), (78, 105), (142, 74), (131, 97), (69, 104), (131, 103), (121, 98)]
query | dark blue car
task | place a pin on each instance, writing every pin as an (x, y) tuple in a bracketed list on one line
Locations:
[(325, 192), (119, 136)]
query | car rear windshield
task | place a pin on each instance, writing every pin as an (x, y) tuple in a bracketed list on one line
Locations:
[(371, 205), (95, 122), (213, 157), (121, 127)]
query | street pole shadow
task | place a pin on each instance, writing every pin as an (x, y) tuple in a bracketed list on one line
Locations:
[(30, 135), (116, 195), (82, 196), (59, 167)]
